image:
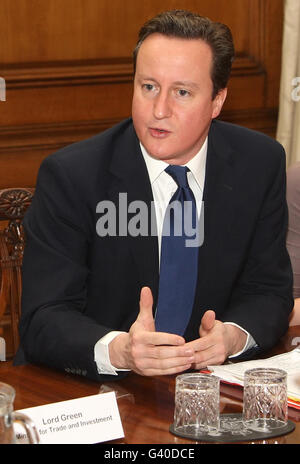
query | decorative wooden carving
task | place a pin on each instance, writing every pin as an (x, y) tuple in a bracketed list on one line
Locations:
[(13, 205)]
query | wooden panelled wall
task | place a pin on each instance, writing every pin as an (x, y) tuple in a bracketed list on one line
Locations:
[(68, 72)]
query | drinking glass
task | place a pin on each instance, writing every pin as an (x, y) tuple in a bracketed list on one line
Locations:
[(197, 404), (8, 417), (265, 407)]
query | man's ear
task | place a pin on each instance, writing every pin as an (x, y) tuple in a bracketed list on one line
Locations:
[(218, 102)]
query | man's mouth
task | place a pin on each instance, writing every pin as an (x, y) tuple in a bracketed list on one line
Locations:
[(159, 132)]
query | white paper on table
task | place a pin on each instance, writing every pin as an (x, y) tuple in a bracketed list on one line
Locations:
[(289, 362)]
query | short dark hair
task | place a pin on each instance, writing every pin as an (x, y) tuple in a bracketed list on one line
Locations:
[(187, 25)]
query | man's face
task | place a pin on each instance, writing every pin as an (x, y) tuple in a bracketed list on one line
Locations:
[(172, 104)]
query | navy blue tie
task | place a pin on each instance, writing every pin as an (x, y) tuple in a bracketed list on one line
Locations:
[(179, 258)]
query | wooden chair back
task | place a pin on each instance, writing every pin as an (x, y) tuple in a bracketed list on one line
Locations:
[(13, 205)]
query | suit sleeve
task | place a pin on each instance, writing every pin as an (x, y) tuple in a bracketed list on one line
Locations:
[(54, 329), (262, 299)]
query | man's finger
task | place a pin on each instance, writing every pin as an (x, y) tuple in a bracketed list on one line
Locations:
[(146, 304), (146, 299), (207, 322)]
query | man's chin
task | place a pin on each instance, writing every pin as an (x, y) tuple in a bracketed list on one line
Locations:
[(169, 158)]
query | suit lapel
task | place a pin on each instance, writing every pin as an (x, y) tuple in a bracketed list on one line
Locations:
[(219, 187), (130, 177)]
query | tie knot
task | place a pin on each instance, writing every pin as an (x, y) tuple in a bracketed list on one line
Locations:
[(179, 174)]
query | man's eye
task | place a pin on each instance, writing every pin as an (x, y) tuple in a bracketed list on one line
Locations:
[(183, 93), (148, 87)]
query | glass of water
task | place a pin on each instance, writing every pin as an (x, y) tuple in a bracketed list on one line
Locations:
[(265, 406), (197, 404)]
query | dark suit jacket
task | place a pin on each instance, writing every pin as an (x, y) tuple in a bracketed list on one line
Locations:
[(78, 286)]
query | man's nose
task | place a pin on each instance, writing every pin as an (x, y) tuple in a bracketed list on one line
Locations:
[(162, 106)]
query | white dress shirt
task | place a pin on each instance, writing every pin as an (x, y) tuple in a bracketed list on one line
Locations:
[(163, 188)]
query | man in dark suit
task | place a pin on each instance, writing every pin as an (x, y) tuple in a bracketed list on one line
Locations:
[(91, 288)]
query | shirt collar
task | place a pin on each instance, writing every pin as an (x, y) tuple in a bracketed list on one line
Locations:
[(196, 165)]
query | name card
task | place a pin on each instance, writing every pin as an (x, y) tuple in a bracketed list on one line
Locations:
[(92, 419)]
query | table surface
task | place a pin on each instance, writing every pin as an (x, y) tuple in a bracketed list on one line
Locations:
[(146, 404)]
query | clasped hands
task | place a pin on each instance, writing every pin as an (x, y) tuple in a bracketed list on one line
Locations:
[(147, 352)]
